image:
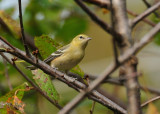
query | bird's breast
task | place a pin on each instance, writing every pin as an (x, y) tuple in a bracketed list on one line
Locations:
[(68, 60)]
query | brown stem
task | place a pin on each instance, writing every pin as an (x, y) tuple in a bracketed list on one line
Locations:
[(149, 101), (145, 14), (30, 81), (148, 6), (22, 30), (145, 20)]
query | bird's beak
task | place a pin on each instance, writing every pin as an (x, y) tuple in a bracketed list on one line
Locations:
[(89, 38)]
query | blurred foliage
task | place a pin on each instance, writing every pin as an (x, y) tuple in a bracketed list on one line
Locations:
[(59, 18), (152, 109), (11, 102), (156, 19), (10, 30)]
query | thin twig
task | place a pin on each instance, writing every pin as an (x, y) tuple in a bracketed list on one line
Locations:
[(145, 14), (137, 46), (145, 20), (149, 101), (100, 3), (6, 75), (113, 39), (92, 108), (30, 81), (22, 30), (106, 4), (115, 51), (148, 6), (10, 45)]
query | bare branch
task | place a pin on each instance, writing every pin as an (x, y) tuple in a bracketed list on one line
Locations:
[(32, 83), (100, 3), (106, 4), (145, 14), (149, 101), (148, 6), (129, 69), (92, 108), (22, 30), (145, 20)]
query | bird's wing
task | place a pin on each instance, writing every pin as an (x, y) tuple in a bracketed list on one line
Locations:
[(56, 54)]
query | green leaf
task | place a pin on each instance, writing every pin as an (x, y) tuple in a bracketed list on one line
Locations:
[(78, 70), (45, 83), (157, 38), (46, 45)]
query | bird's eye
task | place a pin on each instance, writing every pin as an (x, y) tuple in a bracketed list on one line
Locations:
[(81, 37)]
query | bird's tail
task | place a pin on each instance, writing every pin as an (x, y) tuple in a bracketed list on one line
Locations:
[(31, 67)]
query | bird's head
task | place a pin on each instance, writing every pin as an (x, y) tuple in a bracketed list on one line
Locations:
[(81, 40)]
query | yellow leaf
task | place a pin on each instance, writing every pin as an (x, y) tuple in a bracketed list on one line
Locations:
[(105, 11), (152, 109)]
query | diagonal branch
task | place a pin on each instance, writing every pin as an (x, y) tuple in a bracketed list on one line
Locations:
[(145, 14), (22, 30), (30, 81), (148, 6), (100, 3), (149, 101), (144, 20), (112, 67)]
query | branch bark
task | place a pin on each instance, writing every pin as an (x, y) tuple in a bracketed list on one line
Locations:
[(22, 29), (30, 81), (145, 14)]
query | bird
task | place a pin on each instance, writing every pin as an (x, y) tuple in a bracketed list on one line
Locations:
[(67, 57)]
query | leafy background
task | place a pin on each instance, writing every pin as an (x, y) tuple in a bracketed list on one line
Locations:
[(61, 20)]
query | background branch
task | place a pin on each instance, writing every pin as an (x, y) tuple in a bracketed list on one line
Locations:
[(149, 101), (145, 14), (22, 29), (148, 6)]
